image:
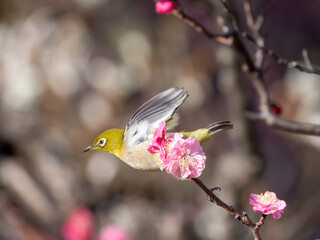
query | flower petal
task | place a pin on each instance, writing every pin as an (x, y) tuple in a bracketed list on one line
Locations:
[(281, 204), (276, 215)]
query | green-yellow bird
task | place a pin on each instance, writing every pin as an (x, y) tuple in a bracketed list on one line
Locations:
[(130, 144)]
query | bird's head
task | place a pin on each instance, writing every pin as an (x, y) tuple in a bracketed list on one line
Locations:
[(109, 141)]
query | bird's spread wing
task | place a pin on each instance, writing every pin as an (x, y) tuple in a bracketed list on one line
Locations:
[(159, 108)]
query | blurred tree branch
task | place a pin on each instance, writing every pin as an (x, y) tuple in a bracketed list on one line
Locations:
[(254, 66)]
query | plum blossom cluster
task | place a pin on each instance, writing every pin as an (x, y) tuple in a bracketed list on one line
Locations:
[(183, 158), (268, 203)]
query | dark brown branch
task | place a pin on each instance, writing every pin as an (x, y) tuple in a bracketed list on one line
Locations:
[(243, 218)]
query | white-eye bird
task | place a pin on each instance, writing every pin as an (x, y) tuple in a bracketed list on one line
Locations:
[(130, 144)]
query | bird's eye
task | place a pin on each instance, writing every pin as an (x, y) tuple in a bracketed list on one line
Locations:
[(102, 142)]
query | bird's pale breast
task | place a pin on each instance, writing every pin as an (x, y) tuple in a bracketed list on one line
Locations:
[(139, 158)]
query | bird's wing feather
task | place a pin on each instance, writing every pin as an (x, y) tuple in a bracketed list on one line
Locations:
[(159, 108)]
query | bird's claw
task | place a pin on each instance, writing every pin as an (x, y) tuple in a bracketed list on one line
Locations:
[(212, 190), (215, 188)]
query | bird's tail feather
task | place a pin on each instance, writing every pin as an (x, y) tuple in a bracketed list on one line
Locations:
[(219, 126), (204, 134)]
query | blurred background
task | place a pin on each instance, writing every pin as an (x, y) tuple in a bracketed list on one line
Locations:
[(71, 69)]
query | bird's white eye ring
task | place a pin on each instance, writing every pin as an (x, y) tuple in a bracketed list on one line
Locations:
[(102, 142)]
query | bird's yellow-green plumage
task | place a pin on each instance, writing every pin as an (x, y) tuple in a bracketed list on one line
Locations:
[(113, 144), (130, 144)]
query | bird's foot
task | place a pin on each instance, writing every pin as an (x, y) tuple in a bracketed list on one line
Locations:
[(212, 190), (215, 188)]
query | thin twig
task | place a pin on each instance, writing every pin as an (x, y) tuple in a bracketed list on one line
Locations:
[(258, 226), (254, 27), (281, 61), (306, 58), (248, 14), (243, 218), (261, 222), (224, 38)]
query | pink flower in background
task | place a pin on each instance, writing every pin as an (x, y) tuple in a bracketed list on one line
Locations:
[(113, 232), (268, 203), (185, 158), (78, 225), (164, 7)]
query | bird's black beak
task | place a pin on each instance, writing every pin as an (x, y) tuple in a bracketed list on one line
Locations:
[(88, 148)]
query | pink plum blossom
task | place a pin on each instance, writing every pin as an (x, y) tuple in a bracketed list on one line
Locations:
[(158, 144), (164, 7), (158, 139), (268, 203), (183, 158), (113, 232), (78, 225)]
